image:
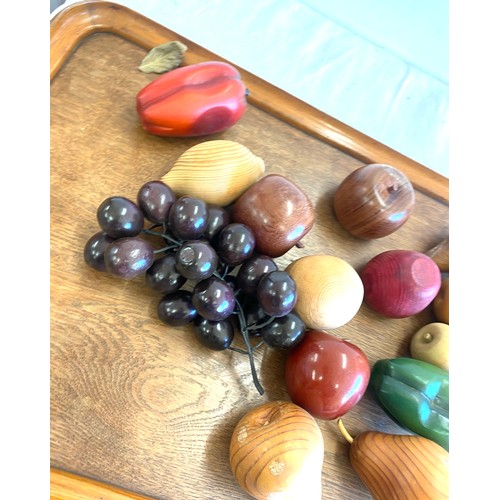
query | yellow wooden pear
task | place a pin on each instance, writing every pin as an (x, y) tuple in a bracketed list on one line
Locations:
[(399, 467), (216, 171)]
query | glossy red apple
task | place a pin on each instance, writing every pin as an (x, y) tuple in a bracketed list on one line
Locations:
[(373, 201), (400, 283), (326, 375)]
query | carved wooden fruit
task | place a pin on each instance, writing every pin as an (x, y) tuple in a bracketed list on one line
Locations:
[(441, 303), (276, 451), (329, 290), (279, 213), (216, 171), (431, 343), (374, 201), (440, 254), (399, 467), (400, 283)]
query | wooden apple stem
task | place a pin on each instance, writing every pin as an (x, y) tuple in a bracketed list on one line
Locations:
[(344, 432)]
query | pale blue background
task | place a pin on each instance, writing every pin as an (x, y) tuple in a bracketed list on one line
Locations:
[(380, 66)]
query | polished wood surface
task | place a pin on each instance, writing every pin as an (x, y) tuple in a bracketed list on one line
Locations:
[(141, 406), (68, 486)]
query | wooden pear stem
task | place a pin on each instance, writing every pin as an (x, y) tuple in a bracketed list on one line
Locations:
[(344, 432)]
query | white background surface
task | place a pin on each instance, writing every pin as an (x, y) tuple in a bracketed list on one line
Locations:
[(380, 66)]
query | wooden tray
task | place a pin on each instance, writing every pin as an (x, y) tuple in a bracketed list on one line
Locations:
[(136, 404)]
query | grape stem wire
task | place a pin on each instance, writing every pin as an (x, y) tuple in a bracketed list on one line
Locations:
[(164, 249), (246, 338), (164, 235), (258, 326)]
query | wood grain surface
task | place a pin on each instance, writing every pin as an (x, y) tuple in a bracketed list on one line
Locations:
[(68, 486), (140, 405)]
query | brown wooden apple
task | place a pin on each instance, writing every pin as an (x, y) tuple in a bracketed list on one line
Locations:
[(279, 213), (373, 201)]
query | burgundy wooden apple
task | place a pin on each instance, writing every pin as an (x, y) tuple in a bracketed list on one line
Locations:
[(373, 201), (279, 213), (326, 375), (400, 283)]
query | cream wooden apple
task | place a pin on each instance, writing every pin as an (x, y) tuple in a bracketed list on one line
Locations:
[(431, 343)]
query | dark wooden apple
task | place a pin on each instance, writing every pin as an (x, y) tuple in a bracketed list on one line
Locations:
[(373, 201), (279, 213), (400, 283), (326, 375)]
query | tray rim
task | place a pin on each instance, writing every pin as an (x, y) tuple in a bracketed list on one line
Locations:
[(66, 485), (71, 25)]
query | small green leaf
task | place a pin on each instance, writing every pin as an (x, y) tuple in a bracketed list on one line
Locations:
[(163, 58)]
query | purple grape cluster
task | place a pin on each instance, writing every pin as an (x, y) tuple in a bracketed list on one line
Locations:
[(206, 270)]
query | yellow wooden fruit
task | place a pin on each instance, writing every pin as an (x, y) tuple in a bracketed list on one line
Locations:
[(431, 343), (216, 171), (399, 466), (329, 290), (277, 451)]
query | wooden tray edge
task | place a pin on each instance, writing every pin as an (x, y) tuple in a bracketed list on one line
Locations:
[(66, 485), (79, 20)]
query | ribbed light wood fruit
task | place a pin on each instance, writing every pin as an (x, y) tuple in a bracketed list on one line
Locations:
[(277, 451), (329, 290), (217, 171), (399, 467)]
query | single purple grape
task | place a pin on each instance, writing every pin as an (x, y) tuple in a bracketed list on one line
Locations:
[(163, 277), (235, 243), (285, 332), (252, 270), (188, 218), (216, 335), (277, 293), (177, 309), (196, 260), (119, 217), (218, 218), (155, 199), (213, 299), (129, 257), (94, 249)]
